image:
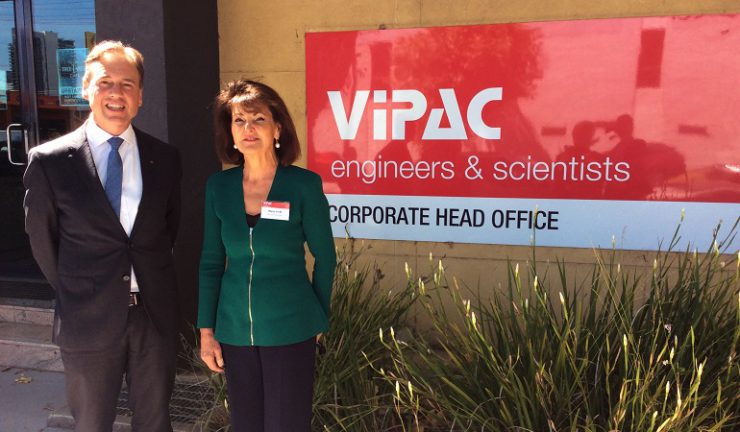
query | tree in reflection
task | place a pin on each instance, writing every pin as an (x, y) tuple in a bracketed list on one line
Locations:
[(446, 57), (507, 56)]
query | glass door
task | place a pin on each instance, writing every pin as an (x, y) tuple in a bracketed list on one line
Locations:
[(63, 32), (43, 44)]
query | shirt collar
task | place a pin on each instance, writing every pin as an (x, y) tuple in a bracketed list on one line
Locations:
[(97, 136)]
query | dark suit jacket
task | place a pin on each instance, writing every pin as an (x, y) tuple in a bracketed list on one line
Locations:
[(83, 250)]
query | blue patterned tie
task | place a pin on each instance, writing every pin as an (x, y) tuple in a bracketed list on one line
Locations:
[(115, 175)]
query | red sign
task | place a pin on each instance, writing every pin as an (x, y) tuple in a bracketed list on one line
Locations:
[(641, 109)]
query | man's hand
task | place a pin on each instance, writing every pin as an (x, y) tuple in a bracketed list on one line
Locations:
[(210, 351)]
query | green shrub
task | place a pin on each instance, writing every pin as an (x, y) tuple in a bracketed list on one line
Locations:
[(592, 358), (347, 393)]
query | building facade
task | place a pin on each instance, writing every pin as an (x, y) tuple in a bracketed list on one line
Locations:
[(191, 48)]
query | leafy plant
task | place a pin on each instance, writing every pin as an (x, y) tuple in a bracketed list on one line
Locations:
[(640, 350), (347, 393), (589, 358)]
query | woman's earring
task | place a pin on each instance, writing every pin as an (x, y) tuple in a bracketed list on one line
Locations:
[(235, 146), (277, 144)]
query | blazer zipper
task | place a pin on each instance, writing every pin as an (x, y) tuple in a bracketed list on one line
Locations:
[(251, 269)]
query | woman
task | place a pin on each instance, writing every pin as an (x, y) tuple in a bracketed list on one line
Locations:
[(259, 314)]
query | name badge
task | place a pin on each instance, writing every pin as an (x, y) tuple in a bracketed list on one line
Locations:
[(276, 210)]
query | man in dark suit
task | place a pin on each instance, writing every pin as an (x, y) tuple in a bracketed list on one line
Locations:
[(102, 211)]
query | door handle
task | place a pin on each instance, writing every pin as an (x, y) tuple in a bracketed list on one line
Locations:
[(10, 142)]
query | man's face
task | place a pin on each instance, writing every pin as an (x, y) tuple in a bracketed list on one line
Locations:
[(113, 91)]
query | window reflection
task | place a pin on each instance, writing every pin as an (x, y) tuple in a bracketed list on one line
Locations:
[(63, 32)]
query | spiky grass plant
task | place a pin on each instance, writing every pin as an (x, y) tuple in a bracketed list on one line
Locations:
[(347, 394), (563, 356)]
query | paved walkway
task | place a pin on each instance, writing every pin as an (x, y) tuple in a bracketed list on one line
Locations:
[(27, 397)]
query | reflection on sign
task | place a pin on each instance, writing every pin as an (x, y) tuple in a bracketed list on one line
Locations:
[(71, 68)]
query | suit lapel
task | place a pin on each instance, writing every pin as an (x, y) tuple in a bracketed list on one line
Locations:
[(148, 165), (80, 155)]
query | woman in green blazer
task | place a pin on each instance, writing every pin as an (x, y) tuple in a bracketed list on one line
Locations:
[(259, 313)]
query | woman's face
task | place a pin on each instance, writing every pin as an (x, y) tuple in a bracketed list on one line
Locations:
[(254, 130)]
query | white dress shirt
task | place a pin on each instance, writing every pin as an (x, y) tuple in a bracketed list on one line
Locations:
[(132, 184)]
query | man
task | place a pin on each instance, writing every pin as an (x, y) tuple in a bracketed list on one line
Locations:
[(102, 211)]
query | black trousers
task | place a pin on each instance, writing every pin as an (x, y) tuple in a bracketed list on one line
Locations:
[(270, 388), (147, 361)]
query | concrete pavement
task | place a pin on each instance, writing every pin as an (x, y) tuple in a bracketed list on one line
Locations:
[(34, 401), (28, 397)]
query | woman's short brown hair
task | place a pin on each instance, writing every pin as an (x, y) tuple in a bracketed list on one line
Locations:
[(250, 94)]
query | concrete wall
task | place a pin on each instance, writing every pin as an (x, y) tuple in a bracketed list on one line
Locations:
[(179, 41), (265, 40)]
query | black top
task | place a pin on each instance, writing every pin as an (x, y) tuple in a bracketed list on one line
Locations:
[(252, 219)]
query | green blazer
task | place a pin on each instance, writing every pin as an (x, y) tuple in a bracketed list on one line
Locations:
[(254, 288)]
